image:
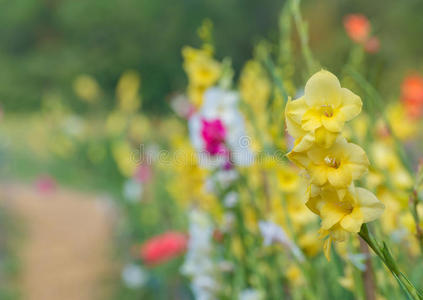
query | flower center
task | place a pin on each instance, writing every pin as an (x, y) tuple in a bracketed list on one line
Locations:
[(331, 162), (346, 206), (327, 110)]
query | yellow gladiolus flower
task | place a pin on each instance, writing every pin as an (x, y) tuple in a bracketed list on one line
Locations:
[(288, 179), (343, 215), (357, 207), (347, 281), (403, 126), (200, 67), (124, 157), (294, 275), (310, 244), (195, 94), (127, 91), (87, 88), (323, 110), (316, 122), (338, 165), (255, 87)]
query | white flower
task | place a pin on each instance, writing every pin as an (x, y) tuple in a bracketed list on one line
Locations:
[(74, 125), (199, 264), (220, 104), (250, 294), (225, 177), (228, 222), (221, 179), (132, 190), (358, 260), (399, 234), (273, 233), (134, 276), (181, 105), (226, 266), (230, 199), (151, 154)]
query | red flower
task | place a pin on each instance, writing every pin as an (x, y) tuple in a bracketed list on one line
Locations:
[(357, 27), (412, 94), (163, 247)]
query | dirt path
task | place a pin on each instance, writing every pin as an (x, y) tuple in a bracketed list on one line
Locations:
[(67, 246)]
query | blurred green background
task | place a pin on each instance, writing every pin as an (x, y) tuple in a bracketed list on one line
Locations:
[(45, 44)]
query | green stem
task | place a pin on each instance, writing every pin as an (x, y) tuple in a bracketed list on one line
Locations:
[(303, 35), (414, 201), (385, 256)]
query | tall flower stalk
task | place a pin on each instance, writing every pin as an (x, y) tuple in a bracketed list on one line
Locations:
[(383, 252), (333, 164)]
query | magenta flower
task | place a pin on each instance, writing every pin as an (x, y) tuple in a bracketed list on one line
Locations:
[(214, 133)]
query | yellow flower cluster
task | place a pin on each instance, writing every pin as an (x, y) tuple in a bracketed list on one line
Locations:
[(87, 88), (188, 186), (255, 90), (127, 91), (316, 121), (202, 70)]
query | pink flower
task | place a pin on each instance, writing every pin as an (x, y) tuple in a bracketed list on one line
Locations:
[(214, 133), (182, 106), (163, 247), (143, 173), (45, 184), (357, 27)]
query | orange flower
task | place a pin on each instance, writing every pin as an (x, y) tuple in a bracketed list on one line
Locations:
[(412, 95), (357, 27), (412, 88)]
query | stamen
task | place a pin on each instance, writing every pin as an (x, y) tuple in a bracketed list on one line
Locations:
[(331, 162), (327, 110)]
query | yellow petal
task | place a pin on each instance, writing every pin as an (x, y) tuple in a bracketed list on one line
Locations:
[(331, 213), (325, 138), (314, 190), (298, 158), (317, 154), (353, 221), (311, 120), (371, 208), (334, 123), (293, 128), (323, 88), (351, 104), (303, 143), (313, 204), (296, 109), (318, 174), (293, 116), (341, 177), (357, 160)]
